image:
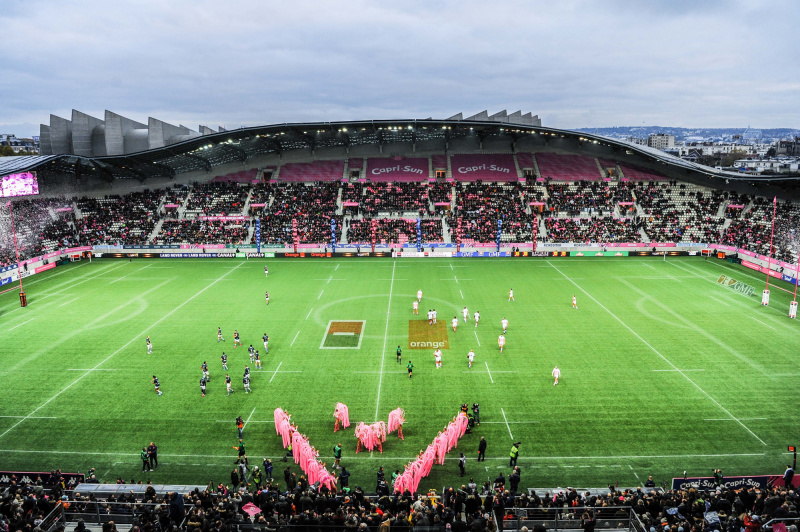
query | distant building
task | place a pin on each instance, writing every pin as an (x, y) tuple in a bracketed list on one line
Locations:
[(769, 165), (29, 145), (661, 141)]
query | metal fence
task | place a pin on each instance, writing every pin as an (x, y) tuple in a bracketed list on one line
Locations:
[(97, 513), (607, 518)]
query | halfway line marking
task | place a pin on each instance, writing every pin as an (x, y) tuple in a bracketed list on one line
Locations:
[(385, 338)]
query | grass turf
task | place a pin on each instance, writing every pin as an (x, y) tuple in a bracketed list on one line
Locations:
[(77, 390)]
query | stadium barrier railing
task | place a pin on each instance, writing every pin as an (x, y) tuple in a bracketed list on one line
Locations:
[(570, 518), (96, 513)]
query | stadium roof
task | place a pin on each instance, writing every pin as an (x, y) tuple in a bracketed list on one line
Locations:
[(216, 148)]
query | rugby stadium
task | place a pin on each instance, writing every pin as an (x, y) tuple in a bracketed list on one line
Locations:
[(664, 291)]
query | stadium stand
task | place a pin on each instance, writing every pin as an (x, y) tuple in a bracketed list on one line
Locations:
[(309, 172), (483, 167), (311, 205), (118, 220), (596, 230), (217, 199), (395, 198), (567, 167), (194, 231), (393, 231), (481, 205), (397, 169), (583, 210)]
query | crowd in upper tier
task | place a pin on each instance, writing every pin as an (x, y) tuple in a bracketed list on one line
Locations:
[(582, 211)]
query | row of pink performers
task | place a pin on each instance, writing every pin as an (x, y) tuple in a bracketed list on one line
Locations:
[(420, 467), (303, 453)]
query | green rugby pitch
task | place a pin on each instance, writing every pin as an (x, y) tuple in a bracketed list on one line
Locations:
[(663, 369)]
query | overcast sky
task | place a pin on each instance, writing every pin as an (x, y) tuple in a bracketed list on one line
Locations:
[(691, 63)]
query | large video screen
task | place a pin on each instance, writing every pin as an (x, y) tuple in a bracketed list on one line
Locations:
[(24, 184)]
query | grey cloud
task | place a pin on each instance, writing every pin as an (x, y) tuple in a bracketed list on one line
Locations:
[(575, 63)]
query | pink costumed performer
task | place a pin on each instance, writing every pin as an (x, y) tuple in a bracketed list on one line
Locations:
[(396, 419), (342, 415)]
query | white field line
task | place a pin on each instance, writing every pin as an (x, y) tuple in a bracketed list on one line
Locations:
[(764, 324), (719, 301), (490, 374), (509, 422), (132, 273), (357, 457), (451, 267), (248, 419), (456, 278), (276, 371), (385, 338), (645, 342), (295, 338), (21, 324), (634, 472), (309, 313), (337, 267), (329, 279), (76, 332), (476, 338), (91, 369), (678, 370), (68, 302), (726, 419), (506, 420), (32, 417), (320, 294), (700, 330), (462, 293), (128, 343)]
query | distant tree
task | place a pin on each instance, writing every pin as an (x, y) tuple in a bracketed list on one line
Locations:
[(771, 152), (728, 159), (6, 151)]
